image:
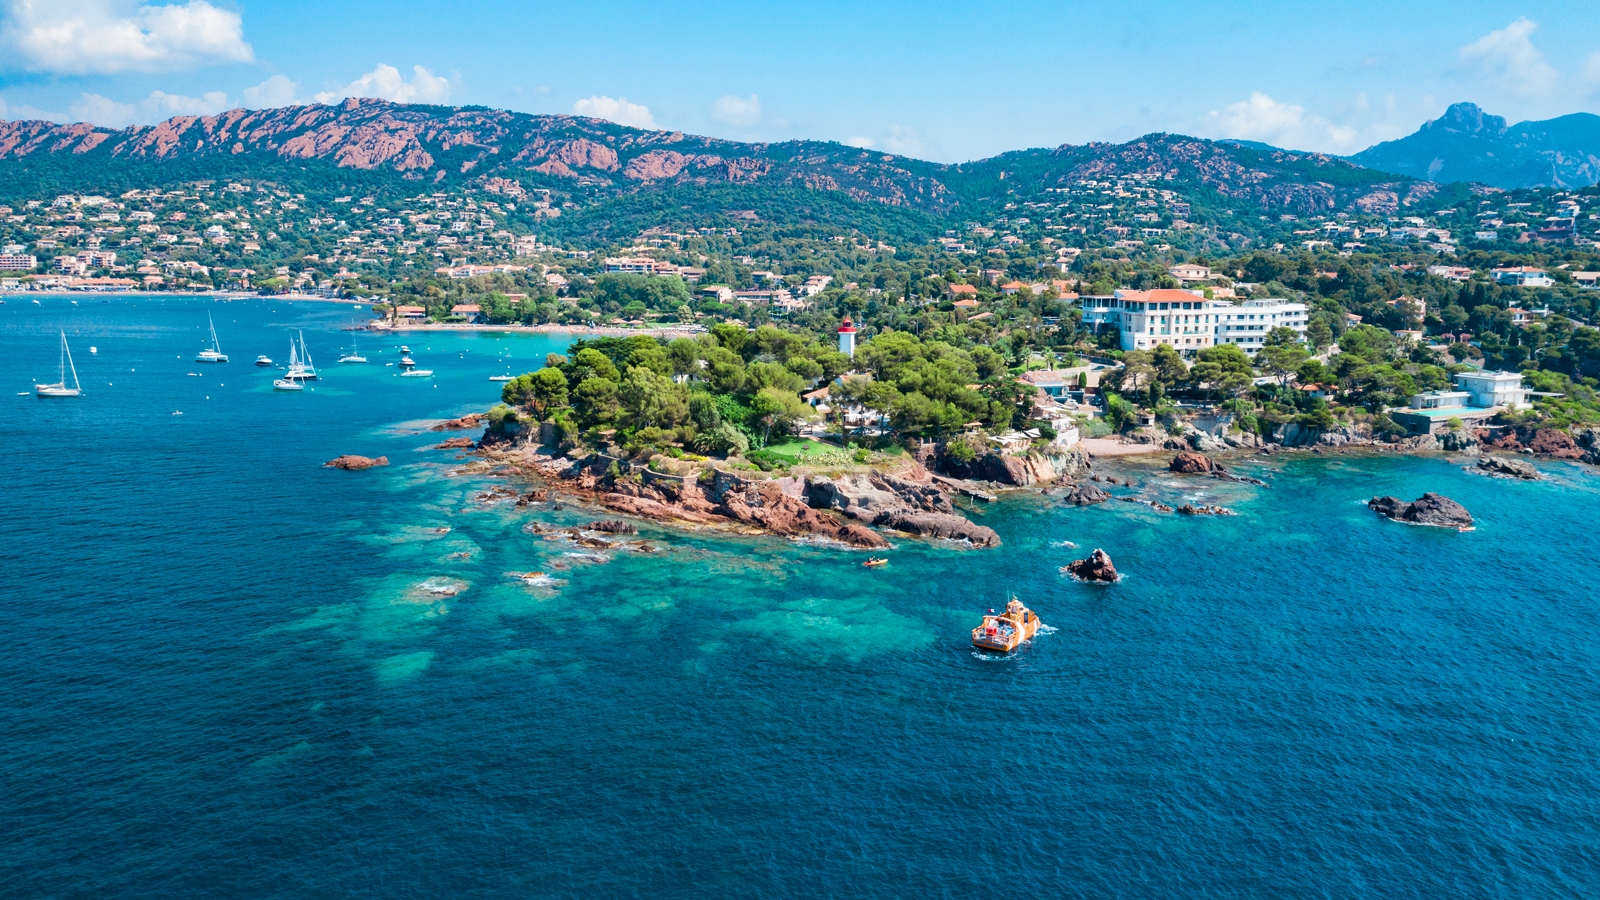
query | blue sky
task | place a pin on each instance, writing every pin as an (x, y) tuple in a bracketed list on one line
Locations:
[(938, 80)]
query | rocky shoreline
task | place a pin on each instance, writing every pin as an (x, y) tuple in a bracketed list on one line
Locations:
[(850, 508), (859, 506)]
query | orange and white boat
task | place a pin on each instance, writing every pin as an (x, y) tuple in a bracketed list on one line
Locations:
[(1003, 632)]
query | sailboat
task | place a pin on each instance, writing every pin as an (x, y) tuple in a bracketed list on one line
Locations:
[(60, 389), (307, 370), (354, 355), (213, 353), (291, 381)]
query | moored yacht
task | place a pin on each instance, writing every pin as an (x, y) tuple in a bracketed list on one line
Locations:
[(263, 360), (60, 389), (354, 356), (307, 370), (213, 353)]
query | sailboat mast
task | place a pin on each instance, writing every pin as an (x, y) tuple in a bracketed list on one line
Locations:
[(68, 355)]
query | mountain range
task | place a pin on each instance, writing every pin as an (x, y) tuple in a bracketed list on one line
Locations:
[(1468, 144), (618, 177)]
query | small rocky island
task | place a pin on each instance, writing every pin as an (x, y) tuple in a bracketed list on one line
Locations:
[(1096, 568), (351, 463), (1429, 509), (1501, 467)]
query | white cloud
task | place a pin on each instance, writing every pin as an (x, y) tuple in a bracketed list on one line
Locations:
[(79, 37), (21, 111), (1261, 118), (620, 111), (738, 111), (1591, 70), (903, 141), (899, 140), (1509, 58), (386, 83), (100, 110), (275, 91)]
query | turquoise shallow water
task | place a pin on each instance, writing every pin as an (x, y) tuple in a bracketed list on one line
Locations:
[(224, 676)]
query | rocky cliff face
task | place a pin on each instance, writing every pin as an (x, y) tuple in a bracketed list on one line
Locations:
[(1020, 470)]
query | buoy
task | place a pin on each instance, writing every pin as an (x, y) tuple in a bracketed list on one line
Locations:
[(94, 349)]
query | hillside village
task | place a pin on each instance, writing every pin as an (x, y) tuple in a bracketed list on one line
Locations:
[(1152, 303)]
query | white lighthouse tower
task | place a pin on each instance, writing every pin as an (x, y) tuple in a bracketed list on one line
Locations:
[(847, 338)]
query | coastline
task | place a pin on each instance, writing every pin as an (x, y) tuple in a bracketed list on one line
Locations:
[(549, 328)]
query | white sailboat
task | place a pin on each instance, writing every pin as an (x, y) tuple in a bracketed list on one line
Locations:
[(307, 370), (354, 356), (292, 380), (213, 353), (60, 389)]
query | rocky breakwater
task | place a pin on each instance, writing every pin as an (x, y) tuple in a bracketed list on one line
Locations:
[(1189, 462), (1429, 509), (355, 463), (1095, 568)]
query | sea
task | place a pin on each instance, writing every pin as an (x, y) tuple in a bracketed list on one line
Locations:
[(228, 671)]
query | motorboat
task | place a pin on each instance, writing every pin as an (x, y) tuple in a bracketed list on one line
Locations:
[(60, 389), (287, 384), (213, 353), (407, 362), (1003, 632), (417, 373), (501, 377), (263, 360)]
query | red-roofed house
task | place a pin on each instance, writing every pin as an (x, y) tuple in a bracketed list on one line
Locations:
[(471, 311), (959, 291), (1011, 287)]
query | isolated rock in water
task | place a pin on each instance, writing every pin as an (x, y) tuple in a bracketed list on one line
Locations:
[(1429, 509), (456, 443), (1097, 567), (612, 526), (1190, 463), (353, 463), (1508, 468), (471, 420), (939, 525), (1086, 494)]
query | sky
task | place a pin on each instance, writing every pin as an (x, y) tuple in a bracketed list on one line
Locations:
[(936, 80)]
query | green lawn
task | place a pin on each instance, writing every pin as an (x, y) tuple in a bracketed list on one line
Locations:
[(795, 452)]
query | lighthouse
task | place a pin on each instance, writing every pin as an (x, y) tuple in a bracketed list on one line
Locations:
[(847, 338)]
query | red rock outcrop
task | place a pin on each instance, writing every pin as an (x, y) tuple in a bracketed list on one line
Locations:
[(470, 420), (1189, 462), (456, 443), (356, 463)]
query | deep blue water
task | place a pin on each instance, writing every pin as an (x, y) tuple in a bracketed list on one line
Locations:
[(221, 677)]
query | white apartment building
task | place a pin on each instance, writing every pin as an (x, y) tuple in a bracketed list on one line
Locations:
[(1189, 322), (1185, 321), (1249, 323)]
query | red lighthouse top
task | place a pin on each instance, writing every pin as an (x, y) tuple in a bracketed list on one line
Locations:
[(847, 328)]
